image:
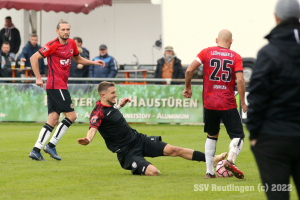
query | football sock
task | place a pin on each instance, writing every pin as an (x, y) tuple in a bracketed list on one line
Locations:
[(198, 156), (235, 147), (210, 150), (59, 132), (43, 137)]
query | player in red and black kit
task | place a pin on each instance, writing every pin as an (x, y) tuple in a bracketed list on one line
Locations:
[(221, 67), (131, 147), (59, 53)]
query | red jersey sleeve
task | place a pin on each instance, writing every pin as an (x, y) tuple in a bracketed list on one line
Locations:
[(76, 52), (96, 118), (201, 56), (48, 49), (238, 66)]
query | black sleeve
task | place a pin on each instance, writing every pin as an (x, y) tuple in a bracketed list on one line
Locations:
[(259, 92)]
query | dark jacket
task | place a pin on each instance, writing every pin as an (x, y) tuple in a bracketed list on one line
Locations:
[(109, 71), (12, 36), (27, 52), (274, 98), (178, 72), (5, 71), (74, 71)]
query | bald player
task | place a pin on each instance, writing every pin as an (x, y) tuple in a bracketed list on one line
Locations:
[(221, 67)]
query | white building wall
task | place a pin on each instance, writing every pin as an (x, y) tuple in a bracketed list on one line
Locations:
[(191, 25), (126, 27)]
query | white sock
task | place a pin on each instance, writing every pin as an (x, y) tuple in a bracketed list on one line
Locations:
[(235, 147), (60, 131), (210, 150), (43, 136)]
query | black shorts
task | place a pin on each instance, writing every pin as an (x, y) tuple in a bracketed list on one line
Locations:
[(231, 119), (133, 158), (59, 100)]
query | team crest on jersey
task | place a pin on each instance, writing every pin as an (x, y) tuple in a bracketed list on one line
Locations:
[(134, 165), (94, 119), (45, 48), (71, 51), (72, 106)]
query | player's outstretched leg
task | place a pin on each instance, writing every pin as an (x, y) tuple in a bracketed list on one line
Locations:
[(235, 147), (152, 171), (191, 154)]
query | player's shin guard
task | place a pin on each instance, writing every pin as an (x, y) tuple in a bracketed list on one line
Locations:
[(43, 137), (59, 132), (210, 150), (235, 147)]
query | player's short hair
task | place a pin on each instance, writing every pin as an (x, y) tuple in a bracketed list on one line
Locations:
[(7, 43), (104, 86), (8, 17), (61, 22), (78, 39), (33, 35)]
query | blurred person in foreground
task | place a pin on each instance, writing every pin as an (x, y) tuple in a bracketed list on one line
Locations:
[(273, 118)]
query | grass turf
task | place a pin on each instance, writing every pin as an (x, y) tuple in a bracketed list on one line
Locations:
[(93, 172)]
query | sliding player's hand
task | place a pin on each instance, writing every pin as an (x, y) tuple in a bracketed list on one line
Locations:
[(99, 62), (39, 82), (83, 141), (124, 101), (187, 93)]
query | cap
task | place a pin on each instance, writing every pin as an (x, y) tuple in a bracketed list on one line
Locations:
[(103, 46), (287, 9), (169, 48)]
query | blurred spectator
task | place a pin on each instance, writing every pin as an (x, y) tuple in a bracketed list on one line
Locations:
[(79, 70), (6, 59), (109, 71), (28, 50), (169, 66), (10, 34)]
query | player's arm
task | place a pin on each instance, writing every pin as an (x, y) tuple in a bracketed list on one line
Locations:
[(187, 92), (240, 82), (34, 60), (80, 60), (89, 137)]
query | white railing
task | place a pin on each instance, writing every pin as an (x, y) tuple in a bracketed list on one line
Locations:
[(147, 80)]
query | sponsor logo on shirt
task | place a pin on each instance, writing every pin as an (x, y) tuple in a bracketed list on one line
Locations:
[(108, 112)]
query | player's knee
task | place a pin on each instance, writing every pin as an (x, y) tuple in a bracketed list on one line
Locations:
[(152, 171)]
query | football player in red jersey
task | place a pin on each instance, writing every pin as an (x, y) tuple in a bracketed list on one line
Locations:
[(221, 68), (59, 53)]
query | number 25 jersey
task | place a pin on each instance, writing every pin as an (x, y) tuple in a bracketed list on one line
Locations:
[(219, 68), (59, 58)]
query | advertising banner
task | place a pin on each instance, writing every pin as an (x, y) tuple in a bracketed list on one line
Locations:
[(150, 103)]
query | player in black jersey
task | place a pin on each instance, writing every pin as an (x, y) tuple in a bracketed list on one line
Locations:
[(131, 147)]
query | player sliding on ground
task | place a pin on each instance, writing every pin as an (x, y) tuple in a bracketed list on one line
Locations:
[(221, 67), (131, 147)]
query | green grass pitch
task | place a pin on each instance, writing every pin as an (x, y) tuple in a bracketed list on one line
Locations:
[(93, 172)]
